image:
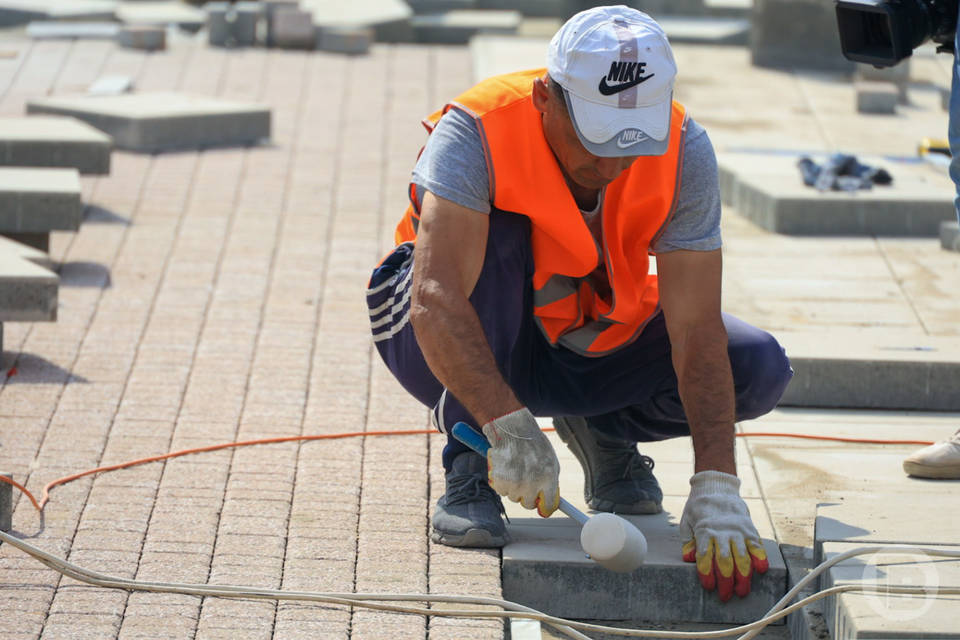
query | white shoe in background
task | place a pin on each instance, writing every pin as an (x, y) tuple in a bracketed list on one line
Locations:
[(940, 460)]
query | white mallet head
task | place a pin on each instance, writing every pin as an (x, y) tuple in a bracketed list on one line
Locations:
[(613, 543)]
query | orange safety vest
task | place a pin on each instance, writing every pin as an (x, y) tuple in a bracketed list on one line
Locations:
[(526, 179)]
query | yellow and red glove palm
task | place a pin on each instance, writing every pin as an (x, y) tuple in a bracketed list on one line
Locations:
[(719, 535)]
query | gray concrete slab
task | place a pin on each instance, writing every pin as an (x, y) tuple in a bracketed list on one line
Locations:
[(706, 29), (458, 26), (950, 235), (144, 37), (14, 12), (154, 121), (533, 8), (350, 40), (798, 34), (54, 141), (876, 520), (74, 30), (39, 200), (872, 371), (28, 291), (390, 19), (438, 6), (857, 616), (161, 13), (545, 568), (767, 189), (496, 54)]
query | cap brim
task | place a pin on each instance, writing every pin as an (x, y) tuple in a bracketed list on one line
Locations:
[(611, 132)]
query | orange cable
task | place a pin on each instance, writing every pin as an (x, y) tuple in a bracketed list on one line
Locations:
[(355, 434)]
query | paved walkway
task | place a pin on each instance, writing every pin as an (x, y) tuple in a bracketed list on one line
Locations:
[(216, 296)]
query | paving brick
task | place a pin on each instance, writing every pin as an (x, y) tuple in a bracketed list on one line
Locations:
[(155, 121)]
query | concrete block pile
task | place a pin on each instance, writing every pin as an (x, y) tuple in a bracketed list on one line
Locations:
[(351, 28)]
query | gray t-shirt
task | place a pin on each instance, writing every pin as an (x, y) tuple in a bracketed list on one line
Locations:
[(453, 167)]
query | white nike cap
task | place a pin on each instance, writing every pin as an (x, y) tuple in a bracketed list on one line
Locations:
[(617, 71)]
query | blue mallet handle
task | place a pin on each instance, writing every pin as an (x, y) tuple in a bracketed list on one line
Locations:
[(476, 441)]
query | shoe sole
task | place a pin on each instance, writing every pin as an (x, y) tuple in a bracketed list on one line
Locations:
[(943, 472), (568, 433), (477, 538)]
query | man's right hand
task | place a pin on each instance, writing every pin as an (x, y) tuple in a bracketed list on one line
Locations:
[(522, 463)]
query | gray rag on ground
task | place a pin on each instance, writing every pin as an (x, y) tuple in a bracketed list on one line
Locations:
[(841, 172)]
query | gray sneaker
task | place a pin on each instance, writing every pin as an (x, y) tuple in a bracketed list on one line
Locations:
[(616, 477), (469, 513)]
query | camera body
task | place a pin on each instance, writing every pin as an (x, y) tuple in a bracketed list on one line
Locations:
[(884, 32)]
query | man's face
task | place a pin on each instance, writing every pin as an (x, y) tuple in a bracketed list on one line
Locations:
[(579, 165)]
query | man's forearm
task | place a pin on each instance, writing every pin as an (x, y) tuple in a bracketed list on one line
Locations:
[(455, 347), (706, 390)]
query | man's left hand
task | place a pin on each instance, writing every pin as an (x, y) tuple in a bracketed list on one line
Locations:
[(719, 535)]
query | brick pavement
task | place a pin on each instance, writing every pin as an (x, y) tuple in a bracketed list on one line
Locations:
[(213, 296)]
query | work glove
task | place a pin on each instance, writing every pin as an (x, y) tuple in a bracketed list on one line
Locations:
[(521, 462), (718, 535)]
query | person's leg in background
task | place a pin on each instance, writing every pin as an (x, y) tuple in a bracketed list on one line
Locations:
[(942, 460)]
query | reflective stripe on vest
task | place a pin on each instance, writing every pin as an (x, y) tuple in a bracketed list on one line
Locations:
[(526, 179)]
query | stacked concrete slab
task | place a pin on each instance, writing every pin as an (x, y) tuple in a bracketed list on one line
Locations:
[(767, 189), (35, 201), (54, 141), (158, 121), (28, 288)]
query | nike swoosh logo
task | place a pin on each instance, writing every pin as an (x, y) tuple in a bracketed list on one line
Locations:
[(607, 90), (629, 144)]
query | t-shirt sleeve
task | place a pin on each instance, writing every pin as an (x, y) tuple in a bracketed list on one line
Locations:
[(696, 222), (453, 165)]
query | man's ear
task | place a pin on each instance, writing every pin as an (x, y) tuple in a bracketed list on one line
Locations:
[(541, 95)]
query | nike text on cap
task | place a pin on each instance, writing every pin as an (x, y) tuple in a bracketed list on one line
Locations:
[(617, 70)]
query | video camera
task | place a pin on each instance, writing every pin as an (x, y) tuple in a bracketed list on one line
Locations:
[(884, 32)]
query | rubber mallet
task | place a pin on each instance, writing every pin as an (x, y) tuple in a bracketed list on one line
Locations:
[(609, 540)]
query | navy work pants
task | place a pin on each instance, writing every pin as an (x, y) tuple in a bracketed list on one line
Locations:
[(630, 394)]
